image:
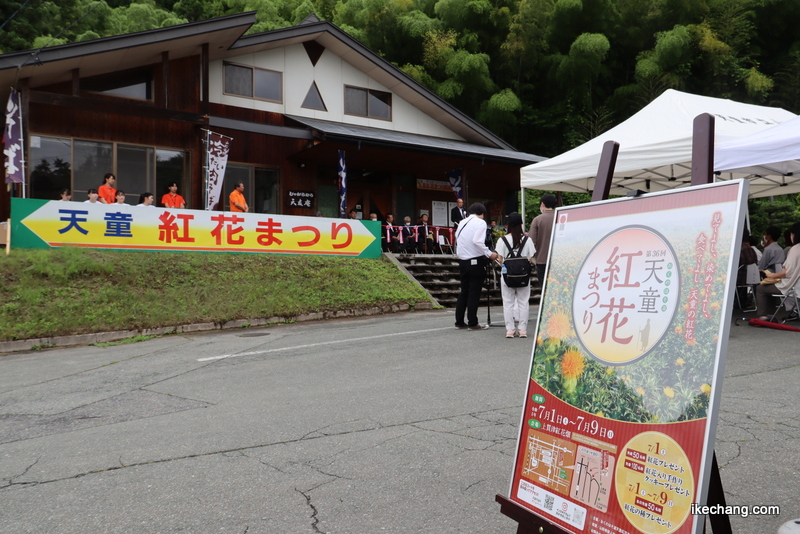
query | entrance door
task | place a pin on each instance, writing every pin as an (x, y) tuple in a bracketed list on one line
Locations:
[(328, 200)]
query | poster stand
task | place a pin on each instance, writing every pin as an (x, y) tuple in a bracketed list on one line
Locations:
[(702, 173)]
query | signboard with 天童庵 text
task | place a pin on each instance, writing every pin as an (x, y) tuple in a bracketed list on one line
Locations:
[(300, 199), (43, 224), (620, 412)]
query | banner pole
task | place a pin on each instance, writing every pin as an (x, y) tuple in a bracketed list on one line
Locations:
[(205, 174)]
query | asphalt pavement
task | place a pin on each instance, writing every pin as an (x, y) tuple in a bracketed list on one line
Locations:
[(396, 423)]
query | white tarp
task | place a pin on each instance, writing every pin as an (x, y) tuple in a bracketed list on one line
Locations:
[(655, 146), (770, 159)]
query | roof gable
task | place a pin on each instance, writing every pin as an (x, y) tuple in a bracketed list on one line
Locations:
[(362, 58)]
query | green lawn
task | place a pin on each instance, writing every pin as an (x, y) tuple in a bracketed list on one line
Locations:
[(74, 291)]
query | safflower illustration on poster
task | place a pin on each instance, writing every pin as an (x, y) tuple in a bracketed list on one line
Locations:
[(619, 418)]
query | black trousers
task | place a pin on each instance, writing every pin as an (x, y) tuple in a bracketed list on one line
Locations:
[(472, 277), (540, 268)]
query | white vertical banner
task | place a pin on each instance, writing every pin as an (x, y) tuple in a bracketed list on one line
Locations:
[(218, 147)]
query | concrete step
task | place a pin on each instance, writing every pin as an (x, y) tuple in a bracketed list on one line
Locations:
[(439, 275)]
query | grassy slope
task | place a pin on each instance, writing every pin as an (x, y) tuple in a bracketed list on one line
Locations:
[(72, 291)]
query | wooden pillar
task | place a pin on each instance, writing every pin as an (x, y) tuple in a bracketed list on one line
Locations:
[(25, 106), (204, 60), (164, 80)]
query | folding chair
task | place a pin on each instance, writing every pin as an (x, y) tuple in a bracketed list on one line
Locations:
[(752, 279), (789, 302), (445, 244)]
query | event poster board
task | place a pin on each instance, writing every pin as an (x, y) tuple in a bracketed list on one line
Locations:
[(441, 215), (619, 420), (44, 224)]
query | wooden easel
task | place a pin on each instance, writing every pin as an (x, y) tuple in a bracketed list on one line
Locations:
[(702, 173)]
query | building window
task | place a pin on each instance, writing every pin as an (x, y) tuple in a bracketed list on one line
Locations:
[(368, 103), (136, 83), (81, 164), (51, 166), (91, 161), (260, 187), (145, 168), (137, 162), (253, 83)]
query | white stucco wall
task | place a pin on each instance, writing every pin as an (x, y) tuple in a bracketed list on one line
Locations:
[(331, 73)]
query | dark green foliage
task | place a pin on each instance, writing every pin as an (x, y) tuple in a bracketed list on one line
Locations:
[(533, 198), (781, 211)]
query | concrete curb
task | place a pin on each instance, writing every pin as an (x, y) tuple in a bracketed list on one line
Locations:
[(107, 337)]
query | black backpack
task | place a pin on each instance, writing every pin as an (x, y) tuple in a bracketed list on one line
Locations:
[(517, 268)]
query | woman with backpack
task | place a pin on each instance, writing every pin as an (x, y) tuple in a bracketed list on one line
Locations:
[(517, 252)]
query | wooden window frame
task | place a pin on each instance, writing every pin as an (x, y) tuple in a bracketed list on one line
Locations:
[(253, 82), (368, 91)]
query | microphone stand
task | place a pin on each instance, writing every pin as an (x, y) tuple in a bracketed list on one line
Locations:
[(490, 270)]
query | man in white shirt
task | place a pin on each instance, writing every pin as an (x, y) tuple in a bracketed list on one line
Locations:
[(473, 256)]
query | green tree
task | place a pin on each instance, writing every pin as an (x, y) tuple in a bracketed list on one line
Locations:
[(194, 10), (525, 45), (533, 200), (35, 20), (454, 73), (579, 70), (781, 211), (499, 113), (138, 17), (787, 88), (377, 23)]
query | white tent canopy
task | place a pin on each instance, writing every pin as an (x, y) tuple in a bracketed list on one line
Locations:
[(655, 150), (770, 159)]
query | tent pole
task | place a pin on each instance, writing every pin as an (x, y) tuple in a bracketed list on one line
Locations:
[(703, 149), (608, 161)]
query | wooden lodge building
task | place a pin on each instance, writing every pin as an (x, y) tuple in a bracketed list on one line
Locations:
[(138, 105)]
